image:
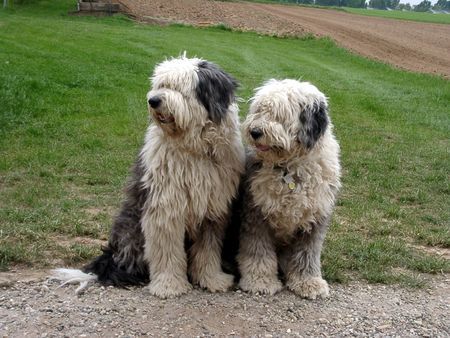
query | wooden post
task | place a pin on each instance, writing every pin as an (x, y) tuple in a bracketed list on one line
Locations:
[(5, 3), (89, 6)]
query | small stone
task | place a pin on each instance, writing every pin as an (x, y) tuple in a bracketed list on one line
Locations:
[(383, 327)]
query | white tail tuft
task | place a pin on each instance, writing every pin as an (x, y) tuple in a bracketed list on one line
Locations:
[(73, 276)]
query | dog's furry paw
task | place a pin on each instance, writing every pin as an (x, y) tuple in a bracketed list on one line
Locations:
[(311, 288), (165, 286), (220, 282), (263, 285)]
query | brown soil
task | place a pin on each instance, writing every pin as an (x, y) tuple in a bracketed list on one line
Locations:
[(421, 47)]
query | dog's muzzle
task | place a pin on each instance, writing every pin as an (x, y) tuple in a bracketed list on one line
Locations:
[(256, 133), (262, 147), (154, 102), (164, 119)]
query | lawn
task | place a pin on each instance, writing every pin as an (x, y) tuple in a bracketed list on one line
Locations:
[(407, 15), (73, 116)]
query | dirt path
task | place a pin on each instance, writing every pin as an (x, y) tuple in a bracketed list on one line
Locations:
[(415, 46), (410, 45), (32, 307)]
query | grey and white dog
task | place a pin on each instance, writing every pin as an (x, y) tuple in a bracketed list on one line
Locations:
[(181, 187), (290, 188)]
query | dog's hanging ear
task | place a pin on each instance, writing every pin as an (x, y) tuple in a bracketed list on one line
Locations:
[(215, 90), (314, 122)]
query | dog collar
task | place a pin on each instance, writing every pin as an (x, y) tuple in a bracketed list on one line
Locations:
[(288, 178)]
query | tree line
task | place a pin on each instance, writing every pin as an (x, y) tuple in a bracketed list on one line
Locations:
[(424, 6)]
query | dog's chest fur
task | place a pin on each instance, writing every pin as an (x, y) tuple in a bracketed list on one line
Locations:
[(187, 189), (292, 198)]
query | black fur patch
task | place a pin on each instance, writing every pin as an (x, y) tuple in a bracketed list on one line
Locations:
[(110, 273), (314, 122), (230, 246), (215, 90)]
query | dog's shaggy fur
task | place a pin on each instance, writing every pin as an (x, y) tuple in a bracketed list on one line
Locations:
[(181, 188), (290, 187)]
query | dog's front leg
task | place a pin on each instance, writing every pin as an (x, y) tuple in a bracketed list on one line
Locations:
[(205, 258), (164, 251), (257, 257), (303, 275)]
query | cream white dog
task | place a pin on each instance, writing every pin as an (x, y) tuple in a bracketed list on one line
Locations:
[(181, 187), (290, 188)]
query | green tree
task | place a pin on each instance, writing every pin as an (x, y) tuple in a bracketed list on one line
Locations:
[(378, 4), (406, 7), (327, 2), (442, 5), (424, 6), (308, 2), (392, 3), (354, 3)]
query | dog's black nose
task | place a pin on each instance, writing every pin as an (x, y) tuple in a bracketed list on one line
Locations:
[(154, 101), (256, 133)]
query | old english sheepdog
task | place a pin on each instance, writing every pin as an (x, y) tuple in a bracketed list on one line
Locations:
[(290, 187), (172, 222)]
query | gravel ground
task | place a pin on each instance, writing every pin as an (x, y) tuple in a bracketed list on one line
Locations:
[(416, 46), (33, 307)]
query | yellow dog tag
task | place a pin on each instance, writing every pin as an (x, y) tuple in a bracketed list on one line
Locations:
[(290, 182)]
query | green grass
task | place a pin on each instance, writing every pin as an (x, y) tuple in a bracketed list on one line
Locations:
[(73, 116), (407, 15)]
